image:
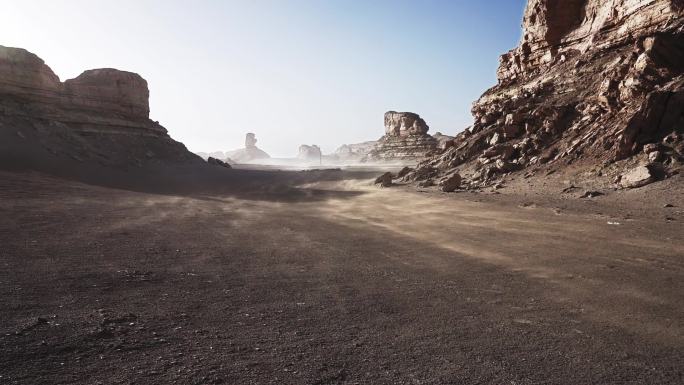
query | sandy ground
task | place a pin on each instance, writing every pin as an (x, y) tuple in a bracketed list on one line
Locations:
[(336, 281)]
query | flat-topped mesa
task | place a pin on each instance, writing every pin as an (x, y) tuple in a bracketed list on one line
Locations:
[(100, 100), (121, 92), (99, 119), (406, 138)]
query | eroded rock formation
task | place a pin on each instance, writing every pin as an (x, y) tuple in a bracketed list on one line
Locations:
[(100, 100), (101, 116), (406, 138), (443, 141), (250, 153), (593, 83), (310, 153), (402, 124), (354, 152), (213, 154), (250, 140), (218, 162)]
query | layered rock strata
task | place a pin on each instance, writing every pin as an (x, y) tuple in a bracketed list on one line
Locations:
[(406, 138), (592, 84), (354, 152), (101, 100), (101, 116)]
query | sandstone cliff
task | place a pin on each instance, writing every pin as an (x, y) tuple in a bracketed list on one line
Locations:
[(596, 86), (100, 117), (101, 100), (406, 138)]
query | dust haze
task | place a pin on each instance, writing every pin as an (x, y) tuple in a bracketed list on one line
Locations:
[(541, 244)]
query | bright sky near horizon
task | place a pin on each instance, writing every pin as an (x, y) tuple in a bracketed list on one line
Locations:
[(292, 71)]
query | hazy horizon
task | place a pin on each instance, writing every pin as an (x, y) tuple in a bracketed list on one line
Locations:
[(300, 72)]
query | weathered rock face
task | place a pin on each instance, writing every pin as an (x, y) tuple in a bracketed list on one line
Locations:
[(384, 180), (354, 152), (100, 117), (248, 154), (553, 29), (443, 141), (637, 177), (25, 74), (591, 83), (214, 154), (218, 162), (108, 89), (101, 100), (405, 138), (310, 153), (250, 140), (451, 182), (402, 124)]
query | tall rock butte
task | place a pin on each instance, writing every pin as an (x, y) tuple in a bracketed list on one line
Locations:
[(102, 116), (248, 154), (406, 138), (310, 153), (595, 84)]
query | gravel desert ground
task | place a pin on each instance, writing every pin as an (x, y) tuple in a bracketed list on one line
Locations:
[(303, 193), (323, 278)]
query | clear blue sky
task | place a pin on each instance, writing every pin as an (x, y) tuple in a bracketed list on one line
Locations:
[(292, 71)]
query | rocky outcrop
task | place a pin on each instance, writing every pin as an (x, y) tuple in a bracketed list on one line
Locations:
[(451, 183), (406, 138), (354, 152), (102, 116), (384, 180), (403, 124), (592, 83), (310, 153), (23, 74), (637, 177), (114, 91), (554, 31), (214, 154), (250, 140), (218, 162), (100, 100), (248, 154), (443, 141)]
